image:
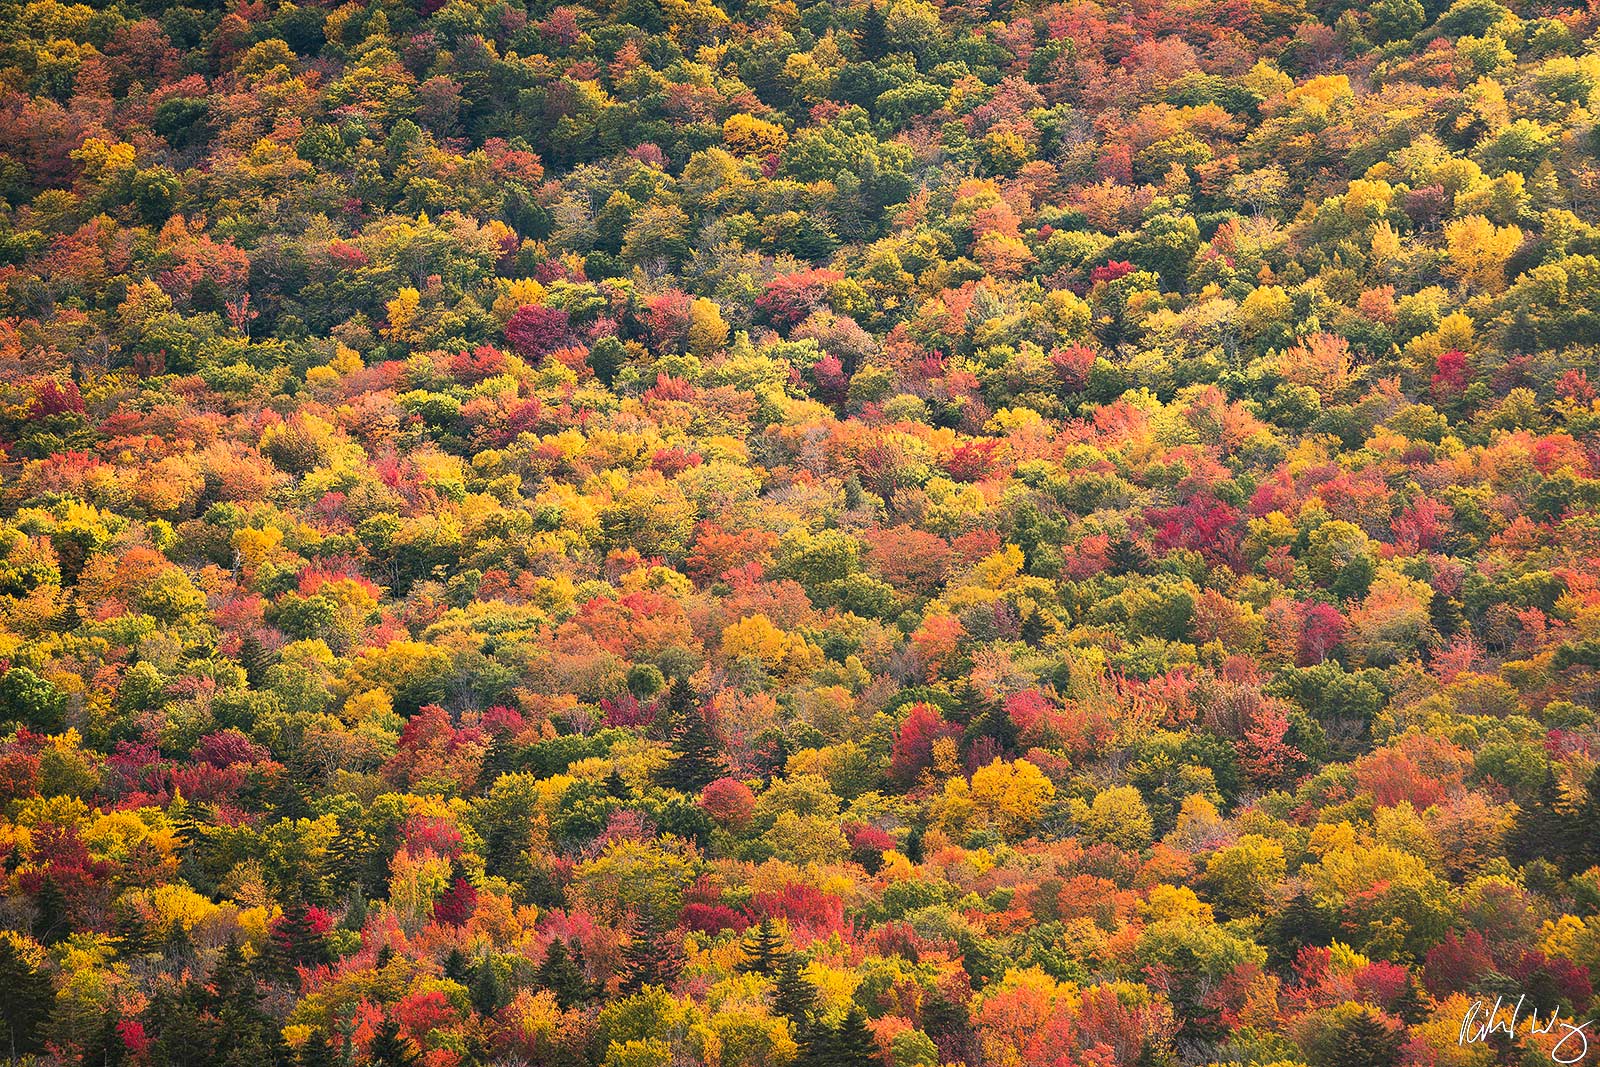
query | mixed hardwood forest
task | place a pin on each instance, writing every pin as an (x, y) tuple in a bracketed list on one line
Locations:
[(664, 532)]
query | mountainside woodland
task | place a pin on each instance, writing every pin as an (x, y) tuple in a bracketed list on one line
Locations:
[(665, 533)]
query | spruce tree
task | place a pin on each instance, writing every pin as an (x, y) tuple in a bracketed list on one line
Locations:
[(181, 817), (1366, 1042), (561, 975), (606, 357), (1445, 614), (51, 923), (816, 1044), (874, 33), (391, 1048), (697, 758), (672, 709), (1542, 829), (252, 1037), (762, 947), (105, 1048), (1411, 1005), (1586, 824), (27, 997), (1127, 557), (319, 1051), (852, 1044), (135, 933), (487, 989), (296, 942), (795, 998), (1034, 629), (652, 955)]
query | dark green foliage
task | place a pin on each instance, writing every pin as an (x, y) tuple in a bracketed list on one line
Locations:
[(29, 997), (562, 974), (795, 998), (652, 955), (696, 756), (763, 949), (391, 1048)]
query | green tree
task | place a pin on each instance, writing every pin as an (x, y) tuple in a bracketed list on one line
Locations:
[(874, 36), (561, 974), (28, 700), (696, 756), (653, 954), (28, 1000), (795, 997), (763, 947), (391, 1048)]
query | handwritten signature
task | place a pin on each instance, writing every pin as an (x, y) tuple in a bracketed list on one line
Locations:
[(1484, 1020)]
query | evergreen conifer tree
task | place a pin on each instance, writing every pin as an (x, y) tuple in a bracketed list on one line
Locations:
[(874, 33), (391, 1048), (697, 758), (561, 975), (795, 998), (296, 942), (51, 924), (106, 1047), (27, 997), (1543, 827), (762, 947), (487, 988), (852, 1042), (319, 1051), (652, 955)]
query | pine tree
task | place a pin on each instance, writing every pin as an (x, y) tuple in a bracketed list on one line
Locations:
[(652, 955), (391, 1048), (560, 974), (852, 1044), (874, 33), (52, 924), (487, 989), (105, 1048), (672, 710), (319, 1051), (762, 947), (1367, 1042), (697, 758), (1034, 629), (1127, 557), (296, 942), (795, 998), (27, 997), (1542, 829)]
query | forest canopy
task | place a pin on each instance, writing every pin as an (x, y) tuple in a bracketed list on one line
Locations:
[(760, 532)]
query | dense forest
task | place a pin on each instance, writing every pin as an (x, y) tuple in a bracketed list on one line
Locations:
[(1004, 534)]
